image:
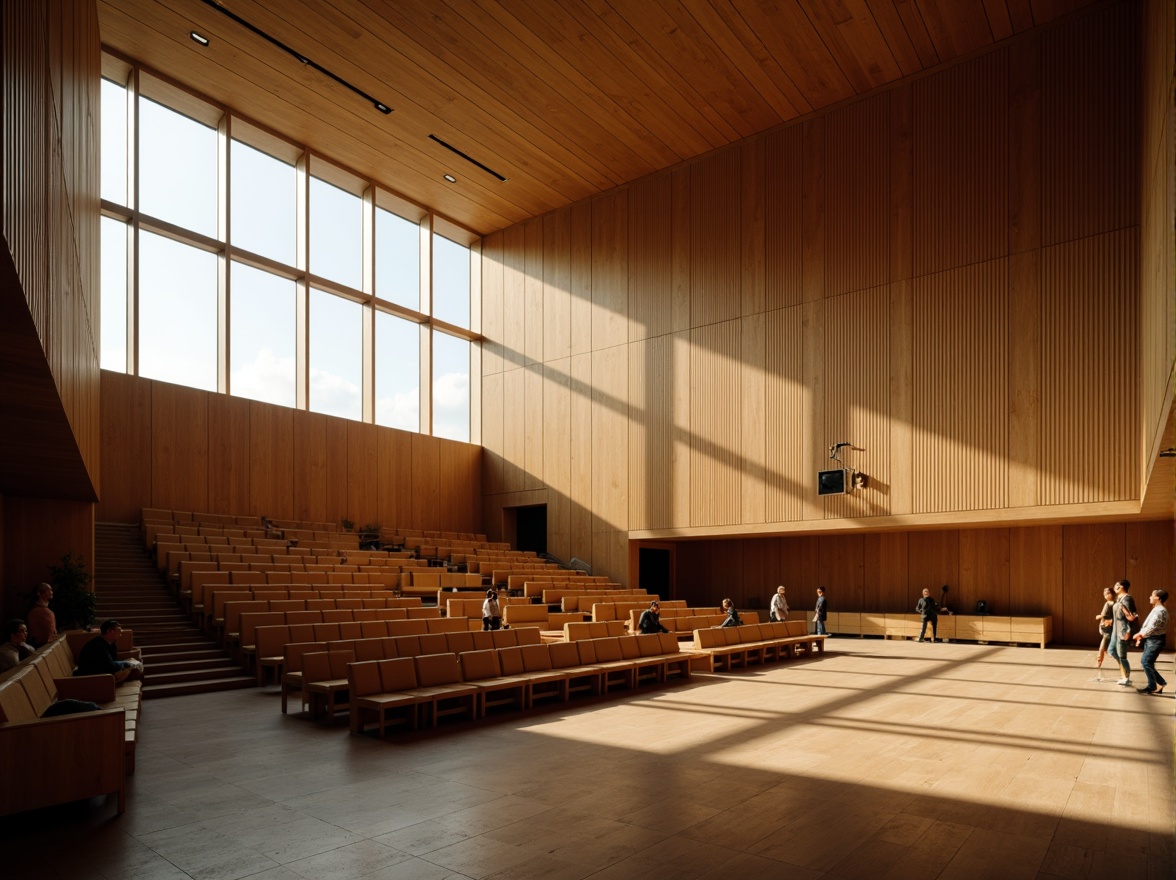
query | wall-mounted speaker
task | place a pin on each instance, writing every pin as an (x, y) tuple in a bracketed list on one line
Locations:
[(833, 482)]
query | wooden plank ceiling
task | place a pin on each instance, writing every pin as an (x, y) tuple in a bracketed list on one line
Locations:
[(564, 98)]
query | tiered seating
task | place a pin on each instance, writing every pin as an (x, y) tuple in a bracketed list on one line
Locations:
[(681, 620)]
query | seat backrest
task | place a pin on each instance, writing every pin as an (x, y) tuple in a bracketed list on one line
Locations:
[(483, 640), (316, 666), (373, 629), (433, 643), (505, 638), (511, 661), (363, 678), (407, 627), (271, 641), (630, 647), (408, 646), (326, 632), (293, 652), (459, 642), (339, 661), (608, 650), (14, 702), (563, 655), (34, 688), (251, 621), (536, 658), (648, 645), (436, 669), (479, 665), (528, 635), (668, 643), (587, 650), (369, 649)]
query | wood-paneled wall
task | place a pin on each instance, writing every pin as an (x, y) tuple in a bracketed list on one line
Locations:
[(1157, 173), (49, 378), (50, 186), (942, 273), (181, 448), (1056, 570)]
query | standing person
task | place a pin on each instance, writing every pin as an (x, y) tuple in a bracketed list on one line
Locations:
[(928, 609), (822, 612), (99, 656), (650, 621), (491, 612), (1124, 613), (1106, 620), (42, 622), (778, 610), (732, 614), (1152, 634), (14, 648)]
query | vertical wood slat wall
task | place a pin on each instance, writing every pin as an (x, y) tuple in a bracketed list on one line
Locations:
[(1157, 173), (182, 448), (1058, 570), (920, 251), (51, 58)]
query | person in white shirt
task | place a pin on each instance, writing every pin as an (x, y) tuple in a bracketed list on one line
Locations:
[(1152, 634), (779, 608), (491, 612)]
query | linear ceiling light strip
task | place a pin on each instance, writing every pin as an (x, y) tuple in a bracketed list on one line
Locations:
[(469, 159), (302, 59)]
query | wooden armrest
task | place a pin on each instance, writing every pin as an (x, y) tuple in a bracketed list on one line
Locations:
[(95, 688)]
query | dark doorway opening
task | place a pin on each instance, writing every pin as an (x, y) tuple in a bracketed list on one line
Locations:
[(653, 567), (531, 528)]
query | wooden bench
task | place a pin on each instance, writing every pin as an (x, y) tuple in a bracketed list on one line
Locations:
[(391, 646), (45, 761), (512, 675), (718, 649)]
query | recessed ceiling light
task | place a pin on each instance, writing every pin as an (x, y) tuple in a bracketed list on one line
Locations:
[(383, 108), (451, 178), (198, 38)]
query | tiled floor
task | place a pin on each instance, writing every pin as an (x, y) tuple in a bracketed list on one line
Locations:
[(879, 760)]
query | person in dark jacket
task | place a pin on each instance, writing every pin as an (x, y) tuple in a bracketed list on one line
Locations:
[(928, 609), (650, 621), (99, 656), (732, 614)]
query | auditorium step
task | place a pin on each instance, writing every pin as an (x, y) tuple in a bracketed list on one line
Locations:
[(178, 659)]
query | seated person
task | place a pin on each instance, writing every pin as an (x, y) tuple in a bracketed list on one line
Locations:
[(15, 647), (732, 614), (100, 656), (42, 622), (650, 621)]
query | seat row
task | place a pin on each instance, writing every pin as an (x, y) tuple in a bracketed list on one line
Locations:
[(470, 682), (395, 645), (52, 760), (721, 649)]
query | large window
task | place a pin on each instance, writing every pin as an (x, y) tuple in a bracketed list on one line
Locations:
[(451, 387), (264, 200), (177, 168), (336, 233), (451, 281), (203, 215), (336, 356), (398, 260), (398, 372), (177, 312), (114, 295), (262, 336)]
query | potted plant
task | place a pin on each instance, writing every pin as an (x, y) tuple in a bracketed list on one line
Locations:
[(73, 600)]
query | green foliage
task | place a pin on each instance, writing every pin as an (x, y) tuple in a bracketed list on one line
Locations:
[(73, 601), (348, 524)]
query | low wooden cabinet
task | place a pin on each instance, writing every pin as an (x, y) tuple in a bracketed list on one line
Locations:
[(956, 627)]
